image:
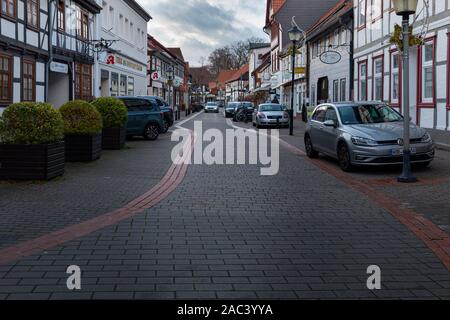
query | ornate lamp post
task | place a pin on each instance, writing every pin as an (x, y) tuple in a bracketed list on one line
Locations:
[(405, 8), (295, 35)]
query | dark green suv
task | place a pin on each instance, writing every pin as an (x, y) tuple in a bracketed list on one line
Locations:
[(145, 117)]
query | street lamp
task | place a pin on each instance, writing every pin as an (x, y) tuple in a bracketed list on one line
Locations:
[(170, 83), (295, 34), (405, 8)]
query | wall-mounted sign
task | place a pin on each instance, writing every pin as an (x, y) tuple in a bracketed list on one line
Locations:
[(155, 76), (300, 70), (59, 67), (110, 59), (330, 57)]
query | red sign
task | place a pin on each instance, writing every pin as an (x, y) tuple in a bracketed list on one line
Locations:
[(110, 59)]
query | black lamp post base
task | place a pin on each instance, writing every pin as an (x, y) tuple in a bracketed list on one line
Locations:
[(407, 176)]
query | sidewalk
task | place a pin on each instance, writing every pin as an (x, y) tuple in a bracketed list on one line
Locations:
[(441, 139)]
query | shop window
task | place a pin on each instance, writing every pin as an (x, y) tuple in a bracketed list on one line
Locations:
[(336, 90), (343, 90), (395, 79), (114, 84), (130, 86), (123, 85)]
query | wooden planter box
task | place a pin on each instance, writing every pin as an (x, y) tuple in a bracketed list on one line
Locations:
[(113, 138), (81, 148), (32, 162)]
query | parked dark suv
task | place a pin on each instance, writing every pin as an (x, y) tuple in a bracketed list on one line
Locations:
[(167, 110), (145, 117)]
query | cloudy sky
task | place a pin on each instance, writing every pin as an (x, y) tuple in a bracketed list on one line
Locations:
[(199, 26)]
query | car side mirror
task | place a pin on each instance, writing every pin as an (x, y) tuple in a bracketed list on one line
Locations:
[(330, 123)]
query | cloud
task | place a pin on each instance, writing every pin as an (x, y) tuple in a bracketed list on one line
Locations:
[(200, 26)]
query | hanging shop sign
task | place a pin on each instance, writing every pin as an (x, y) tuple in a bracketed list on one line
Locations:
[(330, 57)]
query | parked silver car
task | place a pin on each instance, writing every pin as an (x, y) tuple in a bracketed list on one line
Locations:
[(212, 107), (270, 114), (364, 133)]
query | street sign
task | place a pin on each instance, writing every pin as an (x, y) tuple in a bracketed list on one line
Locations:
[(330, 57)]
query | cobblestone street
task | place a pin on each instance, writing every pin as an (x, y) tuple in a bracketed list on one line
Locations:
[(224, 232)]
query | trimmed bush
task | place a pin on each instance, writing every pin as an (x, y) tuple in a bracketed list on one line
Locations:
[(81, 118), (113, 111), (30, 123)]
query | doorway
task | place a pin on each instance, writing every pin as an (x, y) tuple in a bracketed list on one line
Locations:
[(322, 90)]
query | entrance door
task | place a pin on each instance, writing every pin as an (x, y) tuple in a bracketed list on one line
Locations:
[(322, 90)]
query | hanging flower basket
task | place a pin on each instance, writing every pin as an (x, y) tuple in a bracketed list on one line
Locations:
[(397, 38)]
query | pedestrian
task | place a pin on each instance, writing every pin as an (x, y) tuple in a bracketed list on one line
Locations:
[(304, 113)]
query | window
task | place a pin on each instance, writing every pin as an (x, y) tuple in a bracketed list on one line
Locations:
[(5, 79), (29, 73), (343, 90), (376, 9), (336, 90), (114, 84), (130, 86), (362, 11), (362, 80), (319, 115), (111, 19), (378, 78), (61, 16), (33, 13), (395, 79), (9, 8), (426, 73), (83, 81), (123, 85), (82, 25), (331, 115)]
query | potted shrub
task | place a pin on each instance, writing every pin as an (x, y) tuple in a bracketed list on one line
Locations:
[(82, 129), (115, 117), (31, 142)]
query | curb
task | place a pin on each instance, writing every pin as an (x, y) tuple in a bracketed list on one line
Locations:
[(442, 146)]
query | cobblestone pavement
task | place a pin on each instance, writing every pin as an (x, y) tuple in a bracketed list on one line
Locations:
[(227, 232), (31, 209)]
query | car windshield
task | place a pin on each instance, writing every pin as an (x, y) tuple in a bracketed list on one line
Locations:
[(232, 105), (366, 114), (211, 104), (247, 104), (270, 107)]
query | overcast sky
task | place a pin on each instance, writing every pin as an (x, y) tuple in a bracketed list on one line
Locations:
[(200, 26)]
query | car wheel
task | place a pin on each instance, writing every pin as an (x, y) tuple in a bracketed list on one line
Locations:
[(344, 158), (310, 152), (151, 132), (165, 126)]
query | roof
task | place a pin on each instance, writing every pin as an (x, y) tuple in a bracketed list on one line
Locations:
[(341, 8), (239, 73), (139, 10), (259, 45), (276, 6), (91, 5), (176, 52)]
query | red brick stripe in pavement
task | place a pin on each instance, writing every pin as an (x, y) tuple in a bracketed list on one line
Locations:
[(168, 183), (434, 237)]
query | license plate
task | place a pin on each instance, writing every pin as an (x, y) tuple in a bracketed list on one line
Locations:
[(399, 152)]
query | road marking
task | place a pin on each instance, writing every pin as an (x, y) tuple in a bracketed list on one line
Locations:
[(179, 124)]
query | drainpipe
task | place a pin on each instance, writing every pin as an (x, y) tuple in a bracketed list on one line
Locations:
[(50, 46)]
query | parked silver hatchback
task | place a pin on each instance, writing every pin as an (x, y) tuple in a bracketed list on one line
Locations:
[(364, 133), (270, 115)]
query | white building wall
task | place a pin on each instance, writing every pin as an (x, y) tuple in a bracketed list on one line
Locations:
[(255, 62), (120, 22), (373, 40)]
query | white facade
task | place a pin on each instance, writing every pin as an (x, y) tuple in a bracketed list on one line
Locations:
[(254, 62), (330, 82), (122, 70), (23, 71), (378, 68)]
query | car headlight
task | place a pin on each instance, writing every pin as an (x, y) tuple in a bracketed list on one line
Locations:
[(364, 142), (426, 138)]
